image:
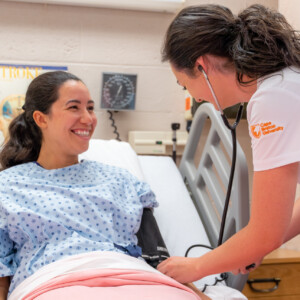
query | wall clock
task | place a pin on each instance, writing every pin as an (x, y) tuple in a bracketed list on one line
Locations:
[(118, 91)]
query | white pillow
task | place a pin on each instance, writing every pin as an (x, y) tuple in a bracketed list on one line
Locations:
[(115, 153)]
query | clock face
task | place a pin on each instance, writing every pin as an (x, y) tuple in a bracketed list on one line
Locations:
[(118, 91)]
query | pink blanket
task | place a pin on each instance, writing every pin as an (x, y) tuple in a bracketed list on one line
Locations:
[(112, 284)]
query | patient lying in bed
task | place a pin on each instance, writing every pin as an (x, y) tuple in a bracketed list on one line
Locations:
[(56, 223), (62, 226), (68, 228)]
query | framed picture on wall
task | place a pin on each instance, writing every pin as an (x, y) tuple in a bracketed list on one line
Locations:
[(14, 80)]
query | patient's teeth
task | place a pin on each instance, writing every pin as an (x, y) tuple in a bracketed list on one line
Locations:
[(82, 132)]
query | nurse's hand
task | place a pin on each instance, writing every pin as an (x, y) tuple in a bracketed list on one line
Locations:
[(182, 269)]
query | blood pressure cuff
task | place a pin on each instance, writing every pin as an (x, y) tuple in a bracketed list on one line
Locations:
[(154, 249)]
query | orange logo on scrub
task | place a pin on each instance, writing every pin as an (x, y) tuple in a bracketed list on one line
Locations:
[(260, 129)]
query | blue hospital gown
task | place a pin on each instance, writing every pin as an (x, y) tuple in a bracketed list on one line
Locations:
[(46, 215)]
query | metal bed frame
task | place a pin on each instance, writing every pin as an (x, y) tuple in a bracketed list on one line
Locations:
[(207, 181)]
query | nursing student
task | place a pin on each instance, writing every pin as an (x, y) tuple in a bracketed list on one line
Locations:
[(68, 227), (253, 57)]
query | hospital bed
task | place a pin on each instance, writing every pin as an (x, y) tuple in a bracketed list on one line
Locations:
[(191, 197)]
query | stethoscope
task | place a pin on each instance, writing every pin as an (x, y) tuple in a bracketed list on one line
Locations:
[(232, 129)]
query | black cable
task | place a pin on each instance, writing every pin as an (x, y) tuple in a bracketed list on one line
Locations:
[(223, 276), (197, 245), (229, 188), (232, 129), (114, 125)]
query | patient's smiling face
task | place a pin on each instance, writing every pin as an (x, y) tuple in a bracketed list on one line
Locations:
[(68, 127)]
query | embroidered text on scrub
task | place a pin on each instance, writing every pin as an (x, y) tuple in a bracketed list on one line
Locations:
[(264, 128)]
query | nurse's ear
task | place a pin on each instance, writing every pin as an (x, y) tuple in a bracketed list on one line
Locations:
[(201, 64), (40, 119)]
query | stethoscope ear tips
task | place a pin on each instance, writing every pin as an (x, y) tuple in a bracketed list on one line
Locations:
[(200, 68)]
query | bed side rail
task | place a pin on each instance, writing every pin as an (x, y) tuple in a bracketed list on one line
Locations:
[(208, 181)]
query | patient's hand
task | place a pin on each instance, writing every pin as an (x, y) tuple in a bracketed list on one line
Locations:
[(182, 269)]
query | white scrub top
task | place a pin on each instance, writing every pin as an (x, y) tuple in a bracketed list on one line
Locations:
[(274, 121)]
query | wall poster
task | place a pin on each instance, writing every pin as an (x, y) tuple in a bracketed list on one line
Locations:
[(14, 80)]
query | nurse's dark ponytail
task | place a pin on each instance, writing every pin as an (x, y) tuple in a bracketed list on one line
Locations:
[(25, 137), (257, 42)]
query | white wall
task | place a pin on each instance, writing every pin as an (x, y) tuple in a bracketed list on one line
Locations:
[(95, 40), (291, 10), (236, 5)]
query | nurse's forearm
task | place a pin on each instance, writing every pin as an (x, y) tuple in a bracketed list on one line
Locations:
[(239, 251), (272, 208), (294, 227)]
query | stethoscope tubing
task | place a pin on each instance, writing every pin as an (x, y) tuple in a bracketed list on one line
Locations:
[(232, 129)]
